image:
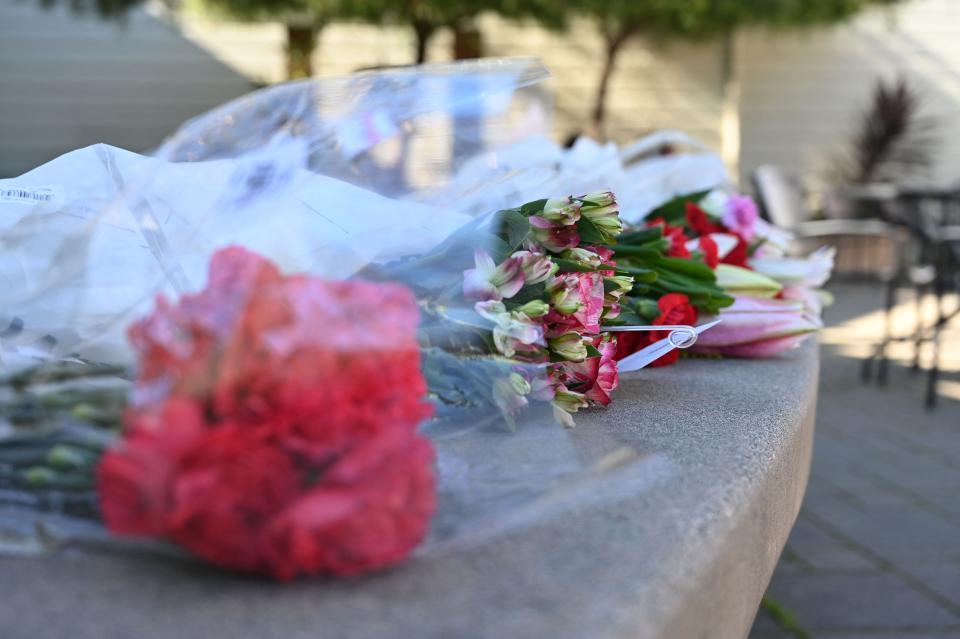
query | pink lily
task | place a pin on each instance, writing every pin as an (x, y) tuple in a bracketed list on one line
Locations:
[(814, 299), (811, 271), (758, 327)]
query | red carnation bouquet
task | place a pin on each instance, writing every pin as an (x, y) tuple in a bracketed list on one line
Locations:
[(274, 424)]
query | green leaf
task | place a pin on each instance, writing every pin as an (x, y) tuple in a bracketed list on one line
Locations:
[(592, 351), (514, 228), (644, 275), (641, 236), (627, 318), (589, 233), (570, 266), (532, 208), (692, 268), (646, 308), (642, 252), (529, 293)]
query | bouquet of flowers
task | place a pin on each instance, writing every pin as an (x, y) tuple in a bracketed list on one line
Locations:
[(287, 363), (769, 302)]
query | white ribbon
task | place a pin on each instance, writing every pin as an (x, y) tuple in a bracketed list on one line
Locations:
[(680, 336)]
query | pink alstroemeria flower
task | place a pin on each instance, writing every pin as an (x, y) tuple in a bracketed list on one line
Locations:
[(758, 327), (561, 210), (566, 402), (491, 282), (536, 265), (597, 375), (513, 332), (510, 392), (554, 237), (578, 301)]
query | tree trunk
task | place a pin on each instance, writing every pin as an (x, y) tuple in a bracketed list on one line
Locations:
[(468, 127), (467, 41), (423, 30), (301, 43), (614, 42)]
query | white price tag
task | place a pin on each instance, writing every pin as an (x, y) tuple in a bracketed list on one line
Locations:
[(30, 194)]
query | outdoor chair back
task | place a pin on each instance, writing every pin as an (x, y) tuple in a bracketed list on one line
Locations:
[(780, 195)]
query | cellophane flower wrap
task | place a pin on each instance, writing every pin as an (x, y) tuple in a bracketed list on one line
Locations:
[(272, 347)]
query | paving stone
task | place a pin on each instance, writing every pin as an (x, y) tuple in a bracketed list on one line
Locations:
[(858, 602), (944, 578), (825, 558), (885, 635), (885, 481), (765, 623), (878, 527), (806, 533)]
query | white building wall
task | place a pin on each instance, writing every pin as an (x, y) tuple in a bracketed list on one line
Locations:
[(802, 92), (69, 81)]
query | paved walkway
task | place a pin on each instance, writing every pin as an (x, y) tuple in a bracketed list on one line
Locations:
[(875, 553)]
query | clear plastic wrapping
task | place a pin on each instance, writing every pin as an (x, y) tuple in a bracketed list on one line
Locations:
[(206, 293)]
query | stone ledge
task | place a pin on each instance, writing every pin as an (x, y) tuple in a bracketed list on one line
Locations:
[(678, 544)]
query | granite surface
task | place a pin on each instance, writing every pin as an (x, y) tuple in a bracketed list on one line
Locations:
[(686, 490)]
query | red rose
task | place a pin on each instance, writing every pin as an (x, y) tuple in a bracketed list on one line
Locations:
[(629, 342), (739, 255), (711, 254), (276, 424), (675, 309), (676, 236), (698, 221)]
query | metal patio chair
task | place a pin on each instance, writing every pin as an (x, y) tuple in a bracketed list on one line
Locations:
[(929, 263)]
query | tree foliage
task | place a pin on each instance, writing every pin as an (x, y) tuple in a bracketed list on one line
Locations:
[(621, 20), (427, 17)]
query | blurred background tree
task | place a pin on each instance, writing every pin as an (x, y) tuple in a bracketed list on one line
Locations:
[(619, 21), (303, 21), (427, 17)]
